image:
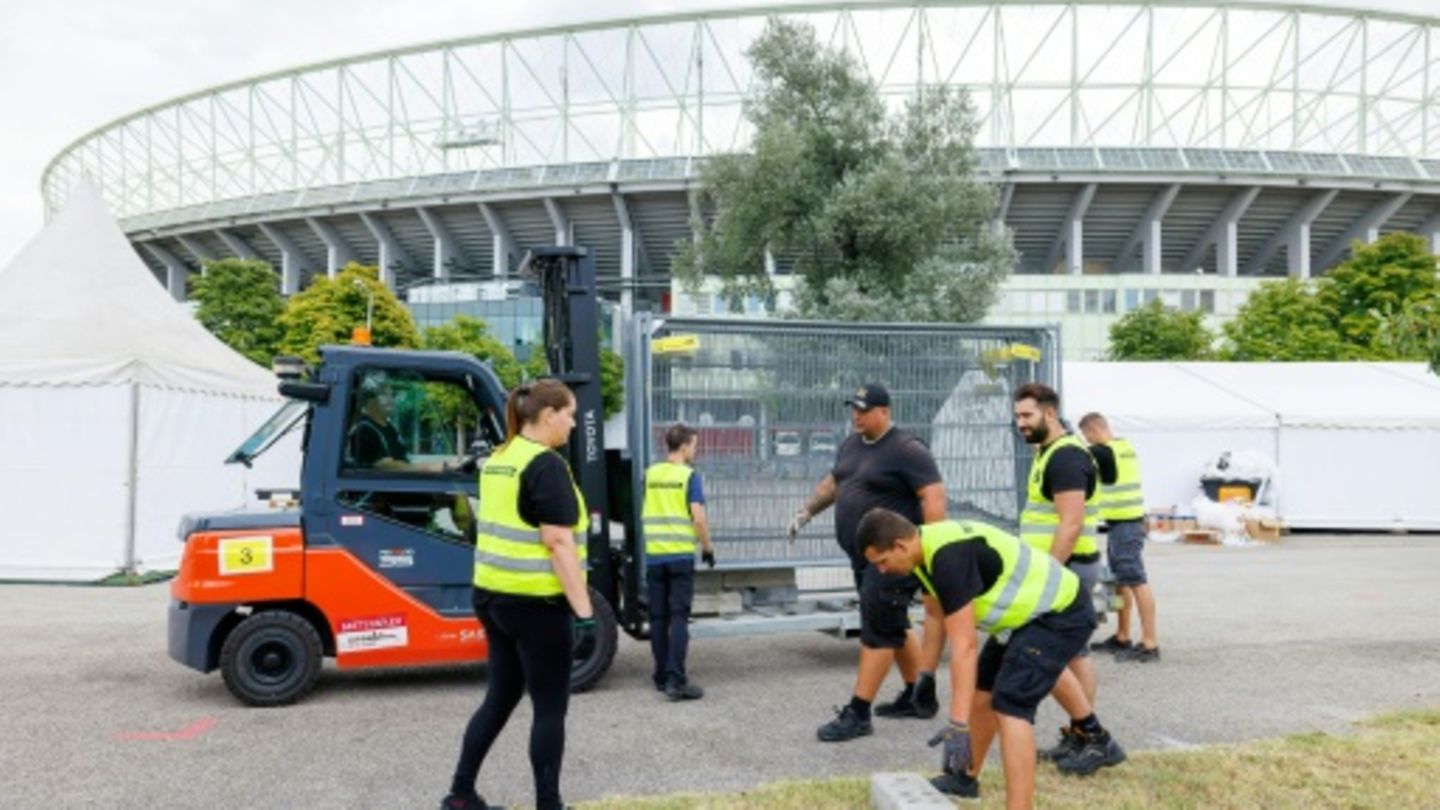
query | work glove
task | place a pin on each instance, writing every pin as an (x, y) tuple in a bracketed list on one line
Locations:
[(802, 517), (584, 625), (708, 557), (956, 757)]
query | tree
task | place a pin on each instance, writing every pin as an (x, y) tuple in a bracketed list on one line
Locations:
[(470, 335), (880, 214), (329, 309), (1154, 333), (1387, 278), (612, 376), (239, 302), (1284, 321)]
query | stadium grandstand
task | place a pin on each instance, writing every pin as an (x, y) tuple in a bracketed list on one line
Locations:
[(1163, 150)]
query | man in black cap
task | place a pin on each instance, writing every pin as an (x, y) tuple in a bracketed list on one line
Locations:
[(879, 465)]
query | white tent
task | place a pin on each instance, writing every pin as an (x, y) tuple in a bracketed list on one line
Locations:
[(118, 408), (1355, 443)]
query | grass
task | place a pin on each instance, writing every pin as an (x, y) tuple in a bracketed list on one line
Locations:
[(1392, 761)]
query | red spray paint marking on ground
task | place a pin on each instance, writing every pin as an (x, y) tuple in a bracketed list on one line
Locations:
[(189, 732)]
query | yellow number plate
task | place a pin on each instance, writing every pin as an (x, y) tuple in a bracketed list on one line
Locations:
[(246, 555)]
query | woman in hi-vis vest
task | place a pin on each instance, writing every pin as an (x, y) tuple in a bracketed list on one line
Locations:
[(529, 587)]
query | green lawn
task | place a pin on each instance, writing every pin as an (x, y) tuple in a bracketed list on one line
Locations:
[(1391, 761)]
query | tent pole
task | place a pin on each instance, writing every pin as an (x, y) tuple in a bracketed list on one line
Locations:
[(132, 479)]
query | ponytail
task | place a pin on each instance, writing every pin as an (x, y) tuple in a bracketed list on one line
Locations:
[(526, 401)]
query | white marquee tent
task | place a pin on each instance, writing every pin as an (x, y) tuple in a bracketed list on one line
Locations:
[(1356, 444), (117, 407)]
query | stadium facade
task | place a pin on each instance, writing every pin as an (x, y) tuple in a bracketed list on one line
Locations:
[(1140, 150)]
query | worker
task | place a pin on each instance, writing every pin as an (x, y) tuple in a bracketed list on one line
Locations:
[(1060, 514), (530, 588), (1122, 507), (1037, 616), (673, 519), (880, 465)]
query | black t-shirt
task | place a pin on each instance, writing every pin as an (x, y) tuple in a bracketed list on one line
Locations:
[(547, 493), (371, 441), (1105, 461), (1070, 468), (962, 571), (886, 474)]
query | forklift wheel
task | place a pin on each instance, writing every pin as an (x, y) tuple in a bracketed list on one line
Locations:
[(594, 647), (271, 659)]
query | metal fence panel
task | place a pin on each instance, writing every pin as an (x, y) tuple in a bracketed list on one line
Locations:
[(767, 398)]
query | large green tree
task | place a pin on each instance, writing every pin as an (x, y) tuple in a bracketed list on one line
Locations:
[(879, 213), (1393, 277), (238, 300), (1282, 321), (472, 336), (330, 308), (1152, 332), (612, 376)]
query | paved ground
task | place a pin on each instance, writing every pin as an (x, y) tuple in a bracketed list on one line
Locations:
[(1260, 641)]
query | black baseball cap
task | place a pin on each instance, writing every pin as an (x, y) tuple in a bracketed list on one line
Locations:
[(869, 395)]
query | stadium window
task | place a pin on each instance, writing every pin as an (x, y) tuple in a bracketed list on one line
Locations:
[(1207, 301), (1132, 300), (1092, 300), (1107, 301), (1151, 295), (1187, 300), (1072, 301)]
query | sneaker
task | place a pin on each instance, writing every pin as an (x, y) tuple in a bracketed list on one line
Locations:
[(1096, 751), (847, 725), (902, 706), (684, 691), (1069, 744), (659, 683), (469, 801), (1139, 654), (958, 785), (1111, 645)]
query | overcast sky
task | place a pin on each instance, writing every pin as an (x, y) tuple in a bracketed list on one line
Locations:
[(68, 66)]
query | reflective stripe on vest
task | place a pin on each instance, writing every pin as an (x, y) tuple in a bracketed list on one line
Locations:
[(665, 518), (1122, 500), (1039, 519), (509, 555), (1030, 582)]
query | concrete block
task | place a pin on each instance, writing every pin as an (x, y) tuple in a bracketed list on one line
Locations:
[(906, 791), (718, 604), (760, 578)]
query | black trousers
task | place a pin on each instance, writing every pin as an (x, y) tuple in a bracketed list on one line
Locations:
[(530, 650), (671, 586)]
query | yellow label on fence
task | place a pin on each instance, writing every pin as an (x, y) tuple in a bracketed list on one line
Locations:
[(675, 344), (246, 555), (1025, 352)]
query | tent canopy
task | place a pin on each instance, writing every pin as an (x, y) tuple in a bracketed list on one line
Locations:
[(78, 307)]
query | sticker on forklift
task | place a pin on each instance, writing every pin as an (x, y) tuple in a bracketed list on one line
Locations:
[(675, 344), (246, 555), (372, 633), (352, 520), (397, 558)]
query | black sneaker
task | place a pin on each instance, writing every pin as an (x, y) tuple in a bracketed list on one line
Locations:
[(659, 683), (1139, 654), (847, 725), (1096, 751), (465, 802), (959, 785), (684, 691), (1111, 645), (1069, 744), (902, 706)]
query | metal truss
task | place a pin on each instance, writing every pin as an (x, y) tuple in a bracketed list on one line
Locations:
[(1077, 75)]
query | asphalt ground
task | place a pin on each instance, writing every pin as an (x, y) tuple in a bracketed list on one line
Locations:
[(1306, 635)]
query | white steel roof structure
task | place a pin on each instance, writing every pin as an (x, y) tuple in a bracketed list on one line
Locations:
[(1147, 136)]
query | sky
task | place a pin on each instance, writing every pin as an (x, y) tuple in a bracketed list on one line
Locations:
[(69, 66)]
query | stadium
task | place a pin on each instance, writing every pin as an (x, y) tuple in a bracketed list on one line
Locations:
[(1176, 151)]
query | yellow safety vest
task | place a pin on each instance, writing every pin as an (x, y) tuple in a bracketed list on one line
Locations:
[(509, 556), (1039, 519), (1030, 582), (669, 529), (1122, 500)]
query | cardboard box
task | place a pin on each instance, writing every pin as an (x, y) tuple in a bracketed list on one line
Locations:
[(1267, 530), (1201, 537)]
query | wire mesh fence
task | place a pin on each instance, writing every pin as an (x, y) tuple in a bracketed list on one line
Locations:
[(767, 398)]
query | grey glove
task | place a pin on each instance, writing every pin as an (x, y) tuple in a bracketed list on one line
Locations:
[(956, 758), (802, 517)]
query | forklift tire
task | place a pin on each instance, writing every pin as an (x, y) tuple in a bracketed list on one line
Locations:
[(272, 658), (595, 646)]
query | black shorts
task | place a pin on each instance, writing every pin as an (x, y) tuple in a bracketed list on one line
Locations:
[(1125, 541), (885, 601), (1019, 673)]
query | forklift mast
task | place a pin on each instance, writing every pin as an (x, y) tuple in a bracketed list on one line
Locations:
[(566, 276)]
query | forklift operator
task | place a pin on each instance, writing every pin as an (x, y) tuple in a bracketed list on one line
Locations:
[(529, 588)]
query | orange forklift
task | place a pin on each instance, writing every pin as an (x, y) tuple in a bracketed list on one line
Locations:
[(371, 564)]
